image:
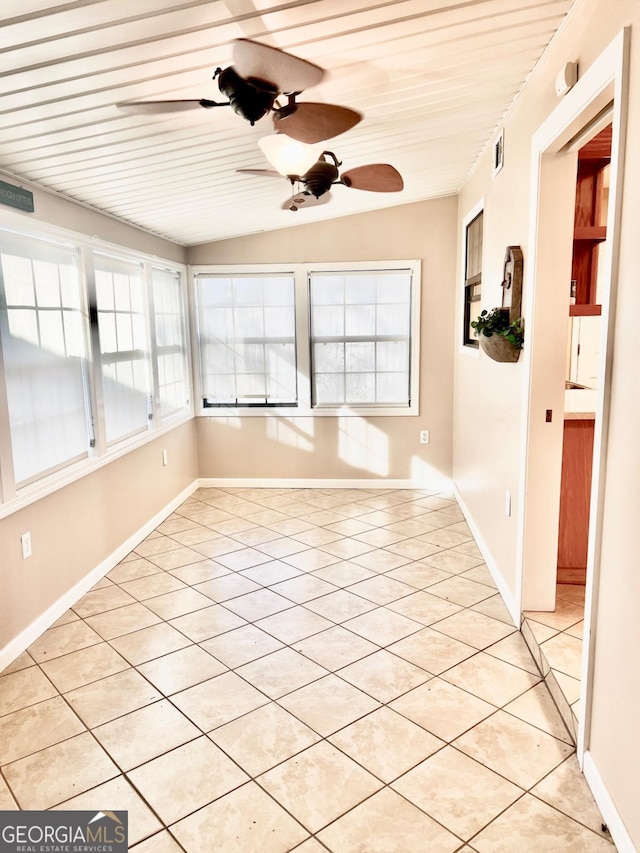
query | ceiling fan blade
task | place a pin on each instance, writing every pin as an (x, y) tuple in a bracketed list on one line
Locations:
[(288, 73), (302, 201), (313, 122), (377, 178), (144, 107), (261, 173)]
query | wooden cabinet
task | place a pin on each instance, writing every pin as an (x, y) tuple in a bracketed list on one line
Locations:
[(575, 495)]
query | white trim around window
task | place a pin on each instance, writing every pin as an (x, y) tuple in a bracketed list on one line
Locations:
[(376, 348)]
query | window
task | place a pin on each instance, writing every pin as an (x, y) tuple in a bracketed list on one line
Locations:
[(124, 348), (360, 337), (170, 342), (247, 340), (93, 357), (472, 277), (309, 340), (42, 326)]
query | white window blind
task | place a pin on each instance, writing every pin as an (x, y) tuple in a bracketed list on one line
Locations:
[(247, 335), (171, 347), (361, 337), (124, 349), (44, 347)]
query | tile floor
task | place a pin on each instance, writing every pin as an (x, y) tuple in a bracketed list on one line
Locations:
[(555, 641), (275, 670)]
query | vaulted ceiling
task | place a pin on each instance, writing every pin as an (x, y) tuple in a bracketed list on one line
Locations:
[(433, 79)]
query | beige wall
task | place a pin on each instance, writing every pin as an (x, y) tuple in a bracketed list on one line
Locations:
[(486, 458), (352, 447), (77, 527)]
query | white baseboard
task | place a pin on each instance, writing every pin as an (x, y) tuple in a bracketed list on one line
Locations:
[(610, 814), (510, 602), (438, 484), (25, 638)]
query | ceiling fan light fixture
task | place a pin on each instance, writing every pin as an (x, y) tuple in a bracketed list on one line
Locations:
[(288, 156)]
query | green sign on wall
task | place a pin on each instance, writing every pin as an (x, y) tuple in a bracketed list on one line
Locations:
[(16, 197)]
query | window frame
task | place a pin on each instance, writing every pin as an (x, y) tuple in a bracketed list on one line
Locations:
[(468, 342), (14, 497), (304, 407)]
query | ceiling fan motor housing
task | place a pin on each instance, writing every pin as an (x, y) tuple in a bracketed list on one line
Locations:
[(251, 99), (320, 177)]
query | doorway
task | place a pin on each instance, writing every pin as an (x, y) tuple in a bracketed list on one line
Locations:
[(597, 100)]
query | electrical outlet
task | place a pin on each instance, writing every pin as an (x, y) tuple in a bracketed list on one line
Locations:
[(26, 545), (165, 457), (424, 436)]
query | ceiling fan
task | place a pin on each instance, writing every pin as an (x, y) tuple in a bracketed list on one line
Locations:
[(312, 187), (258, 76)]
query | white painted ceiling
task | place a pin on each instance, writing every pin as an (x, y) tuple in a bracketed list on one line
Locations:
[(433, 79)]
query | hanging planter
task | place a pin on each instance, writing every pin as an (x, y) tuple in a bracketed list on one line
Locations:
[(500, 337)]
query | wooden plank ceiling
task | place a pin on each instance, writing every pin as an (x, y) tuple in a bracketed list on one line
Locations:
[(433, 79)]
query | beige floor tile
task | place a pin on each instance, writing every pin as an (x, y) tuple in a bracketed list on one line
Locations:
[(145, 734), (281, 672), (442, 709), (424, 607), (65, 619), (538, 708), (303, 588), (36, 727), (258, 604), (565, 789), (494, 607), (380, 561), (62, 640), (335, 648), (315, 537), (386, 823), (382, 626), (345, 549), (264, 738), (175, 524), (458, 792), (43, 780), (161, 842), (461, 591), (490, 679), (411, 527), (319, 785), (539, 631), (124, 620), (272, 572), (415, 549), (195, 573), (564, 654), (310, 846), (380, 538), (178, 557), (382, 589), (218, 700), (247, 533), (475, 629), (569, 686), (111, 697), (216, 546), (156, 545), (431, 650), (181, 669), (384, 676), (386, 744), (186, 779), (132, 570), (149, 643), (207, 623), (7, 803), (453, 561), (343, 573), (445, 537), (23, 661), (194, 536), (247, 819), (174, 604), (513, 649), (576, 630), (121, 797), (480, 574), (24, 688), (241, 645), (418, 575), (328, 704), (247, 558), (153, 585), (100, 600), (229, 587), (566, 614), (514, 749), (340, 606), (311, 560), (294, 624), (530, 825), (82, 667)]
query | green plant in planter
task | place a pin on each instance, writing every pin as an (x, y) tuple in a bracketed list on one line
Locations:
[(497, 322)]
